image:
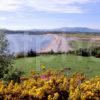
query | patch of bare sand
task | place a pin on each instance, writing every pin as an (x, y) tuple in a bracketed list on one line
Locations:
[(59, 44)]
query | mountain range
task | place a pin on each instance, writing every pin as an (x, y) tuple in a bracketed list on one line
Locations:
[(64, 29), (77, 29)]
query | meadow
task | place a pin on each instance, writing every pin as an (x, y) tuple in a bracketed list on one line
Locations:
[(90, 66)]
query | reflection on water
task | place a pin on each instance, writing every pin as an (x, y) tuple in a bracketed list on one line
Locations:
[(22, 42)]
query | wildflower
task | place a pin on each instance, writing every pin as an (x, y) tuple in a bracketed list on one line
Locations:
[(43, 67)]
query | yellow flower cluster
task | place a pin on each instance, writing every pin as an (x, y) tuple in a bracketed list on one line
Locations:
[(52, 85), (88, 90)]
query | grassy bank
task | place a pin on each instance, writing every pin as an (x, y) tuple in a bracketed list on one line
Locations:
[(89, 65)]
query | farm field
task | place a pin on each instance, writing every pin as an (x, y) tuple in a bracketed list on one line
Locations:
[(90, 66)]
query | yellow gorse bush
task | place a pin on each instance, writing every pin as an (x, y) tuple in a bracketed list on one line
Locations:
[(51, 85), (88, 90)]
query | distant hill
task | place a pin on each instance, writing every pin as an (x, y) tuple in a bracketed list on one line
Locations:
[(55, 31), (77, 29)]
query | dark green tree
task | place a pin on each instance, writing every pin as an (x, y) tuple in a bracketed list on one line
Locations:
[(7, 71)]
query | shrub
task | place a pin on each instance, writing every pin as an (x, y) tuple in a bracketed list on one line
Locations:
[(88, 90), (23, 54), (13, 74), (87, 52), (6, 59), (31, 53), (51, 85), (20, 55), (97, 56)]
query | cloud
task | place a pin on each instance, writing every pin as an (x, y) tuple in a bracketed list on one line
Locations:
[(10, 5), (2, 18), (61, 6), (70, 1), (54, 6), (94, 25)]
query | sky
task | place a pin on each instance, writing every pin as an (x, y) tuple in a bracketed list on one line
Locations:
[(49, 14)]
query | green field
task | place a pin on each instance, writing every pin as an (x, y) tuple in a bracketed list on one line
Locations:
[(89, 65), (84, 44)]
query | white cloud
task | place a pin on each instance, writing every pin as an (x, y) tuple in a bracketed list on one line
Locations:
[(71, 1), (94, 25), (2, 18), (53, 6), (62, 6), (10, 5)]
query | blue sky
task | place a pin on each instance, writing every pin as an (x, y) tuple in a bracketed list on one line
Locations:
[(48, 14)]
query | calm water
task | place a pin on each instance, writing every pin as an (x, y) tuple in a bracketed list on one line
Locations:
[(20, 42)]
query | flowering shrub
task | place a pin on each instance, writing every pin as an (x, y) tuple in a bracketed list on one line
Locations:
[(88, 90), (51, 85)]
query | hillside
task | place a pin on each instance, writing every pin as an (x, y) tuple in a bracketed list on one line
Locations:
[(84, 30)]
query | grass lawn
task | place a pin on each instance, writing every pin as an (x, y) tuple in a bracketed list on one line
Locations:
[(89, 65)]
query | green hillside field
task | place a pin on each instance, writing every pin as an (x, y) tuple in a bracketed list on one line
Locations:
[(90, 66)]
